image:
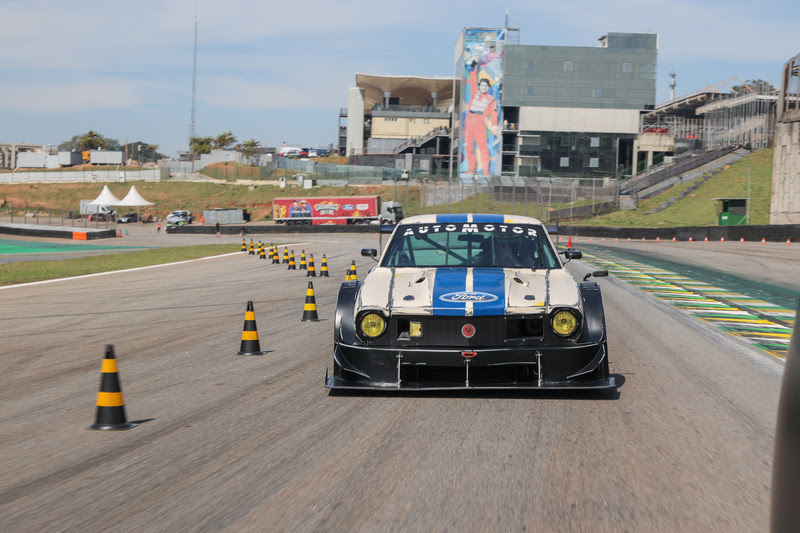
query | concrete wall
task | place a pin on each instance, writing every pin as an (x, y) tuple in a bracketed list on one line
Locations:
[(355, 121), (785, 205)]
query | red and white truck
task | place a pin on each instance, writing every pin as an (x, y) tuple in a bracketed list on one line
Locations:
[(339, 210)]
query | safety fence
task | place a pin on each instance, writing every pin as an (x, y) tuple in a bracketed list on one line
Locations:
[(83, 176)]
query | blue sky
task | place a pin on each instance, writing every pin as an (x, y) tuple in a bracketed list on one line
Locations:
[(279, 71)]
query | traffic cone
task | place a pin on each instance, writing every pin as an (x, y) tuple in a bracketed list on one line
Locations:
[(312, 270), (569, 242), (616, 239), (741, 239), (642, 239), (603, 240), (110, 405), (310, 308), (590, 239), (722, 239), (658, 239), (244, 245), (351, 274), (323, 270), (690, 239), (263, 254), (119, 233), (250, 345), (674, 239), (252, 248), (706, 239), (276, 259), (788, 242), (285, 255), (303, 265), (763, 240), (292, 264)]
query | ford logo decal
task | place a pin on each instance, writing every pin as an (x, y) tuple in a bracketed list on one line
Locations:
[(465, 296), (348, 207)]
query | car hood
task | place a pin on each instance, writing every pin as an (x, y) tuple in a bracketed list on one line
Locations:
[(467, 291)]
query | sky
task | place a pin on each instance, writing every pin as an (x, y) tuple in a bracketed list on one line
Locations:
[(278, 71)]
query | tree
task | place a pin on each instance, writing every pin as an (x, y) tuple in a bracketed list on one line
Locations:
[(759, 86), (201, 145), (248, 148), (144, 151), (224, 140), (91, 140)]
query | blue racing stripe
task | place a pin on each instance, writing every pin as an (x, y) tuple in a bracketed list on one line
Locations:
[(491, 281), (494, 219), (451, 218), (449, 280)]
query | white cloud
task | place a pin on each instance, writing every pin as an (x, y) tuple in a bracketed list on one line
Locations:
[(90, 94)]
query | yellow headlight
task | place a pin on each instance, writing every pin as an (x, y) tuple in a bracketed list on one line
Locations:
[(372, 325), (564, 323)]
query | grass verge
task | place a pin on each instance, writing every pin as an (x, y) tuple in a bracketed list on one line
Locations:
[(30, 271)]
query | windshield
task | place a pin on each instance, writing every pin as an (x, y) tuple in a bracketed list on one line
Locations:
[(480, 245)]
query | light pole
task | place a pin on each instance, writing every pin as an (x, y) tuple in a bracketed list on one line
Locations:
[(139, 149)]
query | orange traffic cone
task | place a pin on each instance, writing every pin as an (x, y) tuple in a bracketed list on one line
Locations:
[(110, 405), (310, 308), (722, 239), (706, 239), (658, 239), (303, 264), (741, 239), (250, 344), (763, 240), (788, 242), (312, 270), (569, 242), (616, 239), (674, 239), (292, 264), (690, 239)]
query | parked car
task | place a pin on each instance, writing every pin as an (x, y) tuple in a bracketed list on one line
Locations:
[(128, 218), (180, 217), (323, 152), (312, 153), (470, 301)]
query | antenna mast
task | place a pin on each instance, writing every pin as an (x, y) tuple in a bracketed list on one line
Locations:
[(194, 83)]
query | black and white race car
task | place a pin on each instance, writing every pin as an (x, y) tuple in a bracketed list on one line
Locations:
[(463, 301)]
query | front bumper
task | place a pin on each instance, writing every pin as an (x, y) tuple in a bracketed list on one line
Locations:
[(583, 366)]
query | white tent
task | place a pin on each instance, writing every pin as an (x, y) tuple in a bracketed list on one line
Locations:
[(133, 198), (105, 198)]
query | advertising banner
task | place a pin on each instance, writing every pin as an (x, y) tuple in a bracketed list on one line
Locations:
[(480, 109)]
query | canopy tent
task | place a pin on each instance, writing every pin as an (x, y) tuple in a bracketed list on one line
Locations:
[(134, 199), (106, 198)]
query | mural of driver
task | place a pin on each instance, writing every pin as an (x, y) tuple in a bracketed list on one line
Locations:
[(480, 116)]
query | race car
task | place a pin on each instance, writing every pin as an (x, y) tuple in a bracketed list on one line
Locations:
[(470, 301)]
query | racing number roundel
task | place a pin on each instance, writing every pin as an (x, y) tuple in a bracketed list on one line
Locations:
[(468, 330)]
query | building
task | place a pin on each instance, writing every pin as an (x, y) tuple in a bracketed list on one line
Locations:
[(556, 110), (785, 204)]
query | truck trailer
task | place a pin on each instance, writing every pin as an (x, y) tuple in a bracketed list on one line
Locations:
[(338, 210)]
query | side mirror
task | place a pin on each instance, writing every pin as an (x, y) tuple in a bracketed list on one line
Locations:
[(572, 254), (596, 273), (369, 252)]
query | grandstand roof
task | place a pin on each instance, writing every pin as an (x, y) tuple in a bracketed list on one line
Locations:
[(411, 90)]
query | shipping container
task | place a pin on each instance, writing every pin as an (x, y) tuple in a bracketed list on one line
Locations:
[(106, 157)]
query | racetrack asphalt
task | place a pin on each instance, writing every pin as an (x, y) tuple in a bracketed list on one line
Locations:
[(257, 444)]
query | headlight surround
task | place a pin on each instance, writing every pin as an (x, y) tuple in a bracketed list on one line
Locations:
[(372, 325), (564, 322)]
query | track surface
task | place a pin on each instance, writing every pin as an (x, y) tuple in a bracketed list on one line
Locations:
[(257, 444)]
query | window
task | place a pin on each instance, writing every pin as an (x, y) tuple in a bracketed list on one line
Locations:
[(412, 120), (594, 162), (564, 141), (531, 91), (627, 67), (564, 162), (594, 142), (531, 65), (390, 119), (568, 66), (426, 121), (597, 93)]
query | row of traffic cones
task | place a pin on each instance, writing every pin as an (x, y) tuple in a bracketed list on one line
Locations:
[(110, 415)]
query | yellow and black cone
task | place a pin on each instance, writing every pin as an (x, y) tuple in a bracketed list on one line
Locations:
[(276, 257), (244, 245), (250, 345), (310, 309), (312, 270), (292, 264), (351, 274), (252, 248), (286, 256), (110, 406), (303, 265), (323, 270)]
